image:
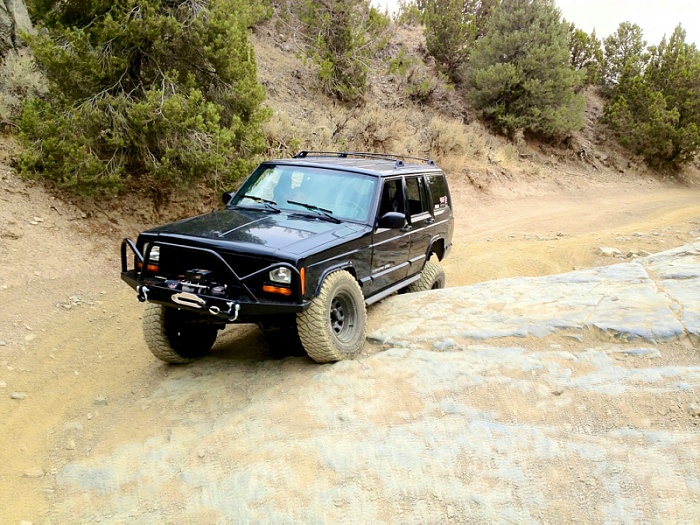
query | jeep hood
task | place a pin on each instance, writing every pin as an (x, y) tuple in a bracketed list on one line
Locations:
[(258, 231)]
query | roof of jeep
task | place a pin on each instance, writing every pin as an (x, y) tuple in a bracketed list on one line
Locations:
[(370, 164)]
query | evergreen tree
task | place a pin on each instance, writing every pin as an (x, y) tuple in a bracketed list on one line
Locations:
[(451, 28), (623, 51), (144, 92), (657, 113), (449, 34), (586, 53), (343, 35), (520, 73), (408, 13)]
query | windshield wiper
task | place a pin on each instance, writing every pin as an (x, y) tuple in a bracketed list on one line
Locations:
[(328, 214), (270, 205)]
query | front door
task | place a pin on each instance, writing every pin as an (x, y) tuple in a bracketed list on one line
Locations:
[(390, 247)]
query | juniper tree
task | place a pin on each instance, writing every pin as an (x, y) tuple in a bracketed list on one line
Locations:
[(586, 53), (144, 92), (452, 27), (656, 113), (520, 76), (342, 36), (623, 51)]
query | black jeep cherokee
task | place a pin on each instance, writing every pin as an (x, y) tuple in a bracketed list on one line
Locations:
[(305, 243)]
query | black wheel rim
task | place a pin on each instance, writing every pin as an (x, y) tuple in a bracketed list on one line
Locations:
[(342, 316)]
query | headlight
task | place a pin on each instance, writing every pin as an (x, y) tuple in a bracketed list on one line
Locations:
[(281, 275)]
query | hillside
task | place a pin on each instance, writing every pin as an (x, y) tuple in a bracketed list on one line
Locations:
[(443, 126)]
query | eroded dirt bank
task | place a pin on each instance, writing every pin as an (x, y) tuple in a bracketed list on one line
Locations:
[(94, 428)]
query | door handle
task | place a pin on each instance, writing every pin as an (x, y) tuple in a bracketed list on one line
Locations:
[(407, 228), (430, 220)]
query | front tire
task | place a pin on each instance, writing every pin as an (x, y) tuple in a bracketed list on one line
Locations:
[(333, 327), (177, 336), (432, 278)]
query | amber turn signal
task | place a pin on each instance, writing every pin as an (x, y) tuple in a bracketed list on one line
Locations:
[(149, 267), (277, 289)]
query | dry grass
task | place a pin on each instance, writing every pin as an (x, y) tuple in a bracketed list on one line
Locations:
[(19, 80)]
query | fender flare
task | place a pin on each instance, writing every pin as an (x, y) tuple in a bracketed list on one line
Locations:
[(333, 269), (439, 238)]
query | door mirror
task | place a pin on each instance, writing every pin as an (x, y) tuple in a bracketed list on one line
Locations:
[(392, 220), (226, 197)]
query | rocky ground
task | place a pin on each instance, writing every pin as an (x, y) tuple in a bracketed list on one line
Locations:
[(521, 400), (571, 398)]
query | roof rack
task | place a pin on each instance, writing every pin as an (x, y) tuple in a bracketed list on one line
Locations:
[(345, 154)]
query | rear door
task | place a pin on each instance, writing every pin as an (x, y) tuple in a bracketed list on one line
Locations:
[(421, 221)]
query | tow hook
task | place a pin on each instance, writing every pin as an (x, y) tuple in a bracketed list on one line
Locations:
[(236, 310), (215, 310), (142, 293)]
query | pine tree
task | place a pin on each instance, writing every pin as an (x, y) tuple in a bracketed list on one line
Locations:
[(520, 73), (144, 93), (623, 51), (343, 35), (452, 27), (586, 53), (656, 113)]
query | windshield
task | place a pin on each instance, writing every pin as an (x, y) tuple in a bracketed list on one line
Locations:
[(314, 191)]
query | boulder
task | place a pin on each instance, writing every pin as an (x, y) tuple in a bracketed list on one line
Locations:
[(14, 19)]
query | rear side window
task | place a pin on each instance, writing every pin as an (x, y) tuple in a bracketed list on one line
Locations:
[(438, 191)]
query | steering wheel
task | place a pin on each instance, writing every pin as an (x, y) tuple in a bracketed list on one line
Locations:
[(352, 209)]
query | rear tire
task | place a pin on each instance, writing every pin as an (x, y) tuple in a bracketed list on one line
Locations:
[(333, 327), (177, 336), (432, 278)]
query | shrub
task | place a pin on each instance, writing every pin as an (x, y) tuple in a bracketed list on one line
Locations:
[(19, 80), (415, 80), (408, 13), (145, 93), (342, 37), (656, 113), (447, 138), (520, 74), (375, 128)]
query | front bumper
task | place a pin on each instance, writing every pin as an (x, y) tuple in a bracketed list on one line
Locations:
[(243, 307)]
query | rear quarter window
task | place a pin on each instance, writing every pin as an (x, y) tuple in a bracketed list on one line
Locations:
[(439, 194)]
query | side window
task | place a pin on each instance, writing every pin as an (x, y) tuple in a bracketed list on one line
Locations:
[(392, 197), (415, 191), (438, 192)]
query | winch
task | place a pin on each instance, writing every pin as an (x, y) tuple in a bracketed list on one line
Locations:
[(198, 281)]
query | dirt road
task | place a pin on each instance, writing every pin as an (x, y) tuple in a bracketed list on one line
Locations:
[(78, 386)]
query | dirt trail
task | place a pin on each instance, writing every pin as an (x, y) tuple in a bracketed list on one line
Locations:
[(76, 379), (562, 231)]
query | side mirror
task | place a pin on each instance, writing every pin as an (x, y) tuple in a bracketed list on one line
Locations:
[(392, 220), (226, 197)]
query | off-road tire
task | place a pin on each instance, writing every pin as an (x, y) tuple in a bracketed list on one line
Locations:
[(177, 336), (333, 327), (432, 278)]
